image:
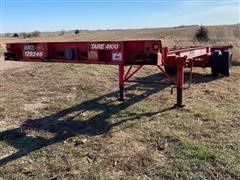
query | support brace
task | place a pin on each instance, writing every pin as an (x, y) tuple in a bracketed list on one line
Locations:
[(128, 76)]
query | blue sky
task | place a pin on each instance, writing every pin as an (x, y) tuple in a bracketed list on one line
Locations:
[(53, 15)]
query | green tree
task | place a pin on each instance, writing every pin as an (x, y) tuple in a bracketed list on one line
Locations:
[(202, 34), (77, 31), (15, 35)]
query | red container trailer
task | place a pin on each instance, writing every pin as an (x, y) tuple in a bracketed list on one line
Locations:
[(128, 53)]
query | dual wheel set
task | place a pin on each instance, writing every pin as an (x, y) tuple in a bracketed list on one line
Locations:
[(221, 63)]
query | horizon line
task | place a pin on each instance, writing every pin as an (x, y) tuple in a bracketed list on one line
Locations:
[(120, 29)]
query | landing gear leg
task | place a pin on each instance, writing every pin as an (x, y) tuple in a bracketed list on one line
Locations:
[(121, 83), (180, 81)]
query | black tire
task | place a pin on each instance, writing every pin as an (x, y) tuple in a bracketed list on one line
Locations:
[(216, 63), (171, 70), (226, 64), (69, 54)]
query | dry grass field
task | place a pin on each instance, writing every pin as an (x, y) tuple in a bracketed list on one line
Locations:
[(61, 121), (181, 36)]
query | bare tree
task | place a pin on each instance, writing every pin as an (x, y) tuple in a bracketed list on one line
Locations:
[(62, 32), (7, 34), (35, 34)]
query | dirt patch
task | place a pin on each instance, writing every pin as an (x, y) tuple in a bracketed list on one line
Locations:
[(13, 65)]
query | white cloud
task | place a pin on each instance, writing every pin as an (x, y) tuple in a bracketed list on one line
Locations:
[(224, 9)]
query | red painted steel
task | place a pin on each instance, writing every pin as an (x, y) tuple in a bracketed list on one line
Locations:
[(121, 53), (107, 52)]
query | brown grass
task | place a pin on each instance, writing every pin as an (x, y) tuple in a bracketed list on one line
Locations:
[(62, 121), (219, 35)]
